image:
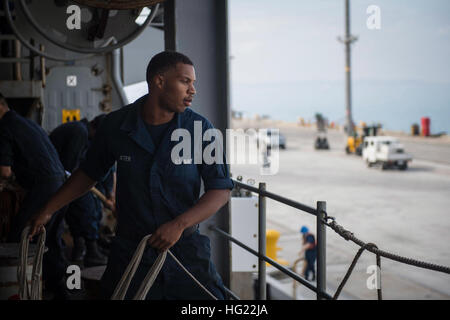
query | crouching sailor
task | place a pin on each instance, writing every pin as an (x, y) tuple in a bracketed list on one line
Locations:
[(26, 152)]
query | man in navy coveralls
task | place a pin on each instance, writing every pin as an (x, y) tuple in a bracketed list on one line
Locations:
[(26, 152), (155, 195)]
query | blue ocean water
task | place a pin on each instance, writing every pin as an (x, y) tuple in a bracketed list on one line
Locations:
[(395, 104)]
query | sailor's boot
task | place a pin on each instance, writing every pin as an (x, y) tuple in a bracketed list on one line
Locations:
[(93, 255), (79, 249)]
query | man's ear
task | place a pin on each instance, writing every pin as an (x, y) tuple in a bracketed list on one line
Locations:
[(159, 81)]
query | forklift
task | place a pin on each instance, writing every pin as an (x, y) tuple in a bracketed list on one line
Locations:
[(355, 141), (321, 142)]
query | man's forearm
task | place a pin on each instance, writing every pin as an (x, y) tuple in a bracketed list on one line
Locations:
[(77, 185), (113, 190), (206, 206)]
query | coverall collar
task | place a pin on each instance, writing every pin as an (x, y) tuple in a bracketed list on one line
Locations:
[(135, 125)]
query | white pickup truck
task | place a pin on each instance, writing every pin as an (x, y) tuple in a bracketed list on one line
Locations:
[(385, 151)]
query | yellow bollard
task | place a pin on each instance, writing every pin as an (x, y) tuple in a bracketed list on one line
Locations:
[(272, 237)]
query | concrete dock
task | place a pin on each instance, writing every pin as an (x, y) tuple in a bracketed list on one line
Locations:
[(402, 212)]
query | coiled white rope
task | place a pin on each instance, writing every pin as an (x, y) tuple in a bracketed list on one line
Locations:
[(124, 283), (34, 291)]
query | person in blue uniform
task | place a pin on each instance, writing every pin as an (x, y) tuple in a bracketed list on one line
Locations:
[(83, 215), (155, 194), (310, 251), (27, 153)]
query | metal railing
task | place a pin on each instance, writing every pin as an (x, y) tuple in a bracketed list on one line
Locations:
[(322, 221), (319, 212)]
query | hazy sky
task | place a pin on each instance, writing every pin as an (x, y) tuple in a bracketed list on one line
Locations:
[(286, 53)]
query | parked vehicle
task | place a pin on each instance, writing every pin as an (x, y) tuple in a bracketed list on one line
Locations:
[(355, 141), (321, 142), (385, 151)]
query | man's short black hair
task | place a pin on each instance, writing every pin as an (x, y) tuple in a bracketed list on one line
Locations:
[(163, 61)]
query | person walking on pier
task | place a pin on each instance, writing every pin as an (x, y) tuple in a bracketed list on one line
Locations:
[(310, 252)]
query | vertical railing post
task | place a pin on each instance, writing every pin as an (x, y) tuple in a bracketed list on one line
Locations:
[(321, 248), (262, 242)]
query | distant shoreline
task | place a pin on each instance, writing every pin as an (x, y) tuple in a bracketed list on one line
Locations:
[(246, 123)]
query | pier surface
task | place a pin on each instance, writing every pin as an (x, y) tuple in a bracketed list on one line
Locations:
[(402, 212)]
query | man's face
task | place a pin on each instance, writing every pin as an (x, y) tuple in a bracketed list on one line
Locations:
[(177, 87)]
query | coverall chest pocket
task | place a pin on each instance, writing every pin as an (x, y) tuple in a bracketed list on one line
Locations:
[(124, 167), (174, 170), (133, 167)]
